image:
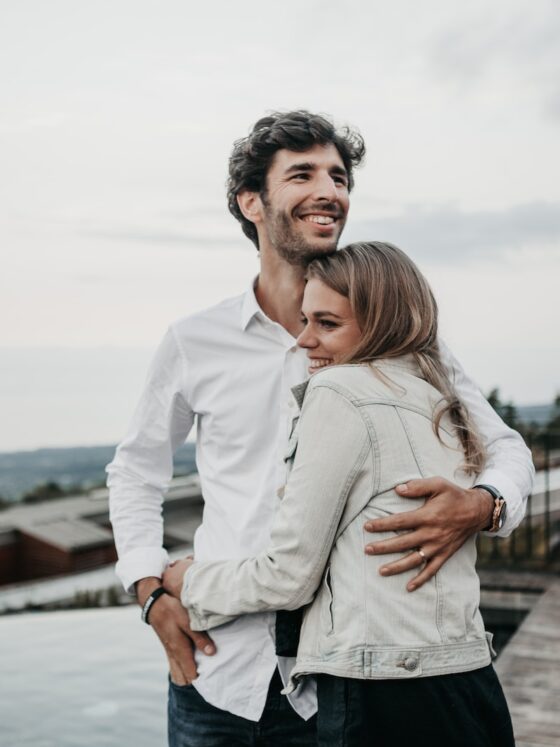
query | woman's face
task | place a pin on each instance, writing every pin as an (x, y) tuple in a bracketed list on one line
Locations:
[(331, 329)]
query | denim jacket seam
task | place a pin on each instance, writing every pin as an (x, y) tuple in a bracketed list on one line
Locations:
[(437, 582), (322, 559), (364, 416), (350, 478)]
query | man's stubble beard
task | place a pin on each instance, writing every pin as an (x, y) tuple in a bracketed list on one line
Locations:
[(290, 244)]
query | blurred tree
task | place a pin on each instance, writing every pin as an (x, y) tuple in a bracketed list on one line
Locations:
[(552, 429), (506, 410), (44, 492)]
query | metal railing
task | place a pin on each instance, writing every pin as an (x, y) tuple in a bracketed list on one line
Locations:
[(535, 544)]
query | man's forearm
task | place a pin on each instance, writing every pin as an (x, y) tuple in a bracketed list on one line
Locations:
[(509, 466), (144, 587)]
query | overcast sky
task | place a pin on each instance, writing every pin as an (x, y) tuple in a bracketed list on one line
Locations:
[(116, 123)]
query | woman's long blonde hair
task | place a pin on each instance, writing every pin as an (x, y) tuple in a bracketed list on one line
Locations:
[(398, 315)]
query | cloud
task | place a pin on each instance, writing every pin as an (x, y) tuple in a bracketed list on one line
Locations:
[(521, 43), (552, 105), (456, 236), (162, 236), (432, 232), (46, 120)]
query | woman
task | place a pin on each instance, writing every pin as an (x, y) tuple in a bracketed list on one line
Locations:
[(392, 667)]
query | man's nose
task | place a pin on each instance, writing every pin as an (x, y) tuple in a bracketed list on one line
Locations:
[(325, 188)]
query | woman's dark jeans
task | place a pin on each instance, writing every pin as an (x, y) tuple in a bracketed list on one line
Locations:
[(453, 710), (192, 722)]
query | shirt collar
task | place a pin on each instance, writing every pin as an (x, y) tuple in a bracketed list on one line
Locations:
[(250, 309), (250, 305)]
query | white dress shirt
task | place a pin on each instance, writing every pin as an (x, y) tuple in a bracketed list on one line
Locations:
[(233, 368)]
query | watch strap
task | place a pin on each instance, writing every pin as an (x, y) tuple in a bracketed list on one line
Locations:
[(499, 511)]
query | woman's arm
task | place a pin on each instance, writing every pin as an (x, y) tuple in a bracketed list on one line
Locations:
[(333, 444)]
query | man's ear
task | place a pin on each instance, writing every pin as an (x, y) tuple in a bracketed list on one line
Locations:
[(250, 204)]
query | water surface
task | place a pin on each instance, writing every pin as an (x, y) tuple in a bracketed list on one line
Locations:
[(81, 678)]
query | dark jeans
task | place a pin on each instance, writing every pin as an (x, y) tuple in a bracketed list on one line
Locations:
[(192, 722), (453, 710)]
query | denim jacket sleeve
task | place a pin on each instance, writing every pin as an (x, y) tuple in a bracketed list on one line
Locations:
[(332, 449)]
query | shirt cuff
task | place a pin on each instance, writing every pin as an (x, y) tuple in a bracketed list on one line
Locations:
[(515, 502), (196, 621), (141, 563)]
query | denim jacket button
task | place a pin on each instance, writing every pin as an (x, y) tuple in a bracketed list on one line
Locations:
[(410, 664)]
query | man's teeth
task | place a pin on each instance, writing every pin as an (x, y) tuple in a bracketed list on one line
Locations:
[(320, 362), (324, 220)]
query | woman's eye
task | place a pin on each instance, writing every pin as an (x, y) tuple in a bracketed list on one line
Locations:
[(328, 324)]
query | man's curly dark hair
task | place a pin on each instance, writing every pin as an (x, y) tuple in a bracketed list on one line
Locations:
[(297, 131)]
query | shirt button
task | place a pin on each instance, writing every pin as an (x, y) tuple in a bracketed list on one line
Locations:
[(410, 663)]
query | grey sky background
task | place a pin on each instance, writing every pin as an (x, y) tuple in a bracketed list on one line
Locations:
[(116, 123)]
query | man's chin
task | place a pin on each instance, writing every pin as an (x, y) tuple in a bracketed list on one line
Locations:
[(301, 255)]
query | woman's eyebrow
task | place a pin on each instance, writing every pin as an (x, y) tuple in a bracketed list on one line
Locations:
[(319, 314)]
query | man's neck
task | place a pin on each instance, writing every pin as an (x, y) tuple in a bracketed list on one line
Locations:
[(279, 291)]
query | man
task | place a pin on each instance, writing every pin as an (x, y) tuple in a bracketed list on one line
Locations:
[(233, 367)]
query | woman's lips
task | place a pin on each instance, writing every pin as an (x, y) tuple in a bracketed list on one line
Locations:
[(316, 363)]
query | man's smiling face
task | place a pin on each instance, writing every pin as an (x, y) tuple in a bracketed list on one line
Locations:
[(306, 202)]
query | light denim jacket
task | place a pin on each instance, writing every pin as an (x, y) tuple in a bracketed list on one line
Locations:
[(362, 430)]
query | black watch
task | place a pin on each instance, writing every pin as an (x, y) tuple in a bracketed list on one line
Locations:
[(500, 508)]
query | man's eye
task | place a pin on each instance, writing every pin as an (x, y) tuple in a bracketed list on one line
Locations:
[(302, 176), (341, 180), (303, 320)]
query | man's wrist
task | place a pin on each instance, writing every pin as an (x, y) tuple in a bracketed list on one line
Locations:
[(485, 508), (144, 588), (500, 508)]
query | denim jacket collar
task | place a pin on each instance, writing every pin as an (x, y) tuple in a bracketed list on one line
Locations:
[(405, 363)]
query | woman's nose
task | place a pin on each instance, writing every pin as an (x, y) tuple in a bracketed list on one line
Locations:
[(306, 339)]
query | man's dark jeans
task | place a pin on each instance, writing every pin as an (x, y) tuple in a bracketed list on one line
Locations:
[(192, 722)]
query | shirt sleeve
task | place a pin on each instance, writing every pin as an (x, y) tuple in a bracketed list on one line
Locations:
[(333, 444), (142, 468), (509, 466)]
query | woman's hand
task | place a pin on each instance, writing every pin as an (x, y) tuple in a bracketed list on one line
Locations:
[(174, 574)]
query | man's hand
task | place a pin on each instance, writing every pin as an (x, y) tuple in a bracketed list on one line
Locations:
[(174, 574), (437, 529), (170, 620)]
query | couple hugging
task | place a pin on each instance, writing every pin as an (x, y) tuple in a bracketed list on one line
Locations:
[(346, 463)]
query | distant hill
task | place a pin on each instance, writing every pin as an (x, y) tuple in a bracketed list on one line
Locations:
[(539, 414), (77, 468), (81, 468)]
